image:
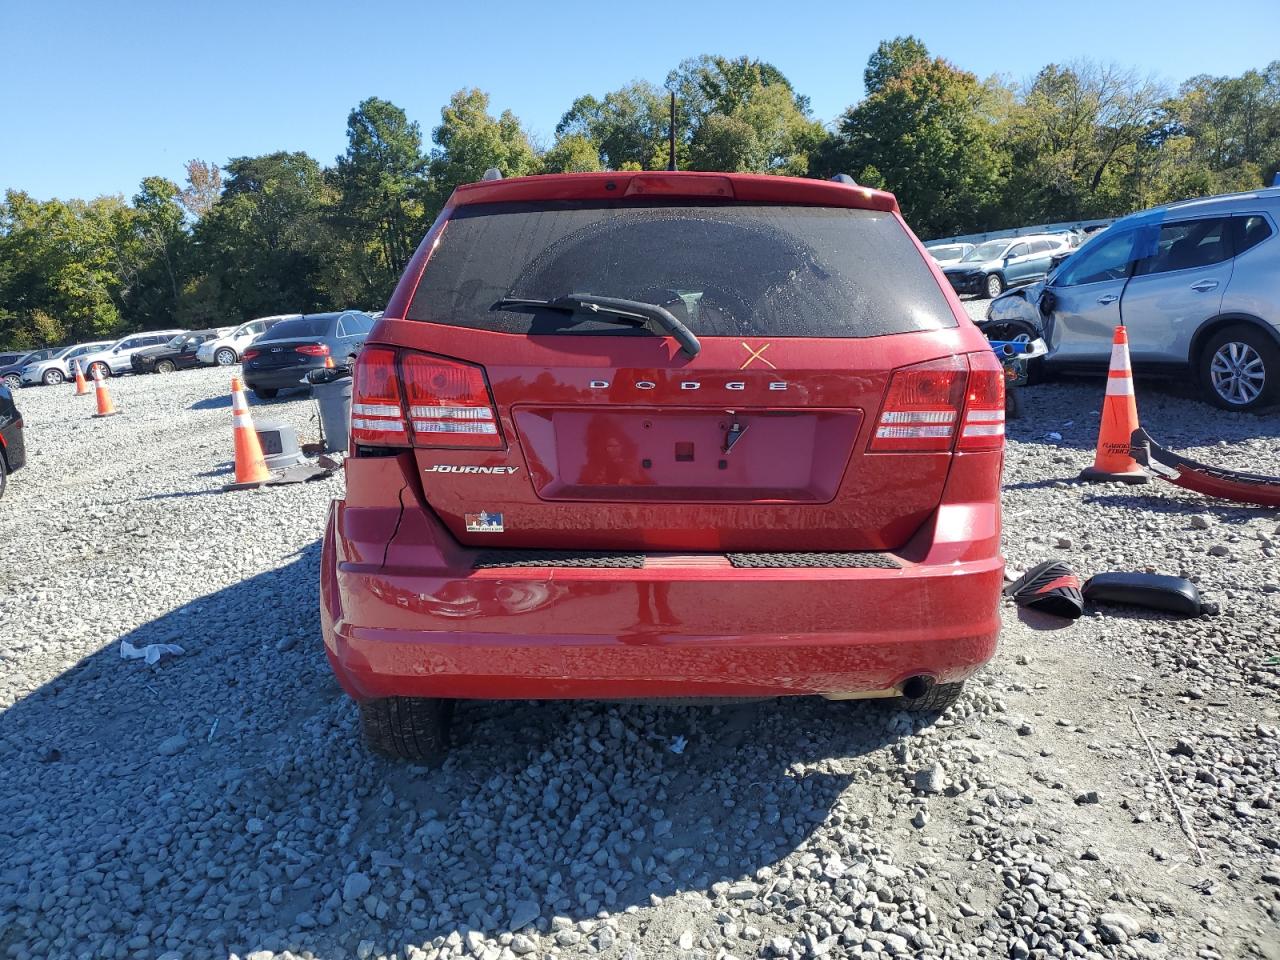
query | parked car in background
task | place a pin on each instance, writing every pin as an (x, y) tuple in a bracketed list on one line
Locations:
[(227, 349), (745, 412), (945, 254), (281, 357), (11, 372), (989, 268), (58, 368), (178, 353), (1207, 302), (118, 357), (13, 451)]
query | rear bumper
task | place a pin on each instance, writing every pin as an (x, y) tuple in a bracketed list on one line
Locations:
[(423, 623), (277, 379)]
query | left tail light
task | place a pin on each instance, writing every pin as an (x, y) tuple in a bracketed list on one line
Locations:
[(313, 349), (404, 398), (250, 354)]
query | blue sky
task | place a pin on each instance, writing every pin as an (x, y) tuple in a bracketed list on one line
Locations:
[(97, 95)]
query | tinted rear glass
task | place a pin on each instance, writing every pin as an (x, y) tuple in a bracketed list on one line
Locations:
[(727, 270), (302, 327)]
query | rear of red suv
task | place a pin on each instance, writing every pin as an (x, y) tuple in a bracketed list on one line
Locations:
[(644, 435)]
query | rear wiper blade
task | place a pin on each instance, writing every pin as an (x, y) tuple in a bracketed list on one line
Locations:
[(636, 312)]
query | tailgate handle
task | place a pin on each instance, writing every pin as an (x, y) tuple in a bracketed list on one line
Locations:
[(733, 434)]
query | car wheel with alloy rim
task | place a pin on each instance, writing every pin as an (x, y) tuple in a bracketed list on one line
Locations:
[(225, 357), (165, 366), (12, 381), (53, 377), (1240, 368), (99, 369), (995, 285)]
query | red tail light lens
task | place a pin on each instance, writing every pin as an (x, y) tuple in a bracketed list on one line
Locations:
[(313, 349), (982, 426), (449, 404), (922, 407), (250, 354), (377, 413)]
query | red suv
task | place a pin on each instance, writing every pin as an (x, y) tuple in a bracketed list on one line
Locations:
[(644, 435)]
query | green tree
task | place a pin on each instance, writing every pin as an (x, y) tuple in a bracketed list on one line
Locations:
[(380, 185), (928, 134), (892, 59), (572, 154), (261, 244), (470, 140), (628, 127)]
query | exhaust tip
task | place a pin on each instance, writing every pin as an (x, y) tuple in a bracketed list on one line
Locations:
[(916, 687)]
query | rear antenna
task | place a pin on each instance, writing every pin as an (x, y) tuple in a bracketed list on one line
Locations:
[(671, 133)]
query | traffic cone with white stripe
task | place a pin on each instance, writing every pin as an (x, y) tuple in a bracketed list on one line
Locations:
[(105, 407), (251, 468), (1112, 461), (82, 386)]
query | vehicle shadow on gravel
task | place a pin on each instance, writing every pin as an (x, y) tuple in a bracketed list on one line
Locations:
[(220, 801)]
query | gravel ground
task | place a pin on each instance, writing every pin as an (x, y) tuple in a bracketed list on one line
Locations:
[(219, 803)]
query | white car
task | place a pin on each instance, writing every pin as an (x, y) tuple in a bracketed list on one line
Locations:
[(118, 357), (57, 369), (948, 253), (224, 351)]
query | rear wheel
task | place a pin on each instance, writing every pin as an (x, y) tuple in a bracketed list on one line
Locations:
[(165, 366), (53, 377), (995, 285), (12, 380), (1240, 368), (99, 370), (407, 728), (225, 357), (265, 393)]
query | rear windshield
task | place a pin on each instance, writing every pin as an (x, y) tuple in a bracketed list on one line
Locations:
[(726, 270), (302, 327)]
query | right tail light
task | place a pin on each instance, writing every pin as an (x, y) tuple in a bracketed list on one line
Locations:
[(404, 398), (931, 407)]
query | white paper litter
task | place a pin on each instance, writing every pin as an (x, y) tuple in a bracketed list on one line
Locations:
[(152, 652)]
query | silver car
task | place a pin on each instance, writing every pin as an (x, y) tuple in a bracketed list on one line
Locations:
[(1207, 301), (992, 267)]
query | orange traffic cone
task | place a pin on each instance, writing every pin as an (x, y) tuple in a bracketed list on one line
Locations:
[(251, 468), (82, 387), (328, 363), (1112, 461), (105, 407)]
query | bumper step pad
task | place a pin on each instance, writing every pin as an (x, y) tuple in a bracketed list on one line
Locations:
[(500, 559), (814, 560)]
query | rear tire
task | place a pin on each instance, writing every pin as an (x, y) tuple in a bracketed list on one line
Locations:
[(1240, 369), (407, 728), (994, 286), (265, 393), (939, 699), (52, 378), (12, 380)]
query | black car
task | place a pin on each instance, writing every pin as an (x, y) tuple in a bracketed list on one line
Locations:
[(11, 365), (281, 357), (13, 452), (178, 353)]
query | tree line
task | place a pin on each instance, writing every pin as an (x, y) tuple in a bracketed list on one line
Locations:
[(282, 233)]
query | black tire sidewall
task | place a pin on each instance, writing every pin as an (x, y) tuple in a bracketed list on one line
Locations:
[(221, 351), (1266, 349), (53, 378), (165, 366), (986, 286)]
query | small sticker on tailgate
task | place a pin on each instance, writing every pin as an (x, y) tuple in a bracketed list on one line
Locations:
[(483, 522)]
